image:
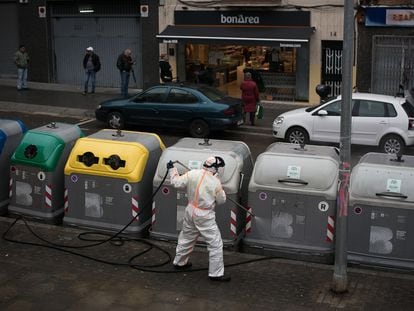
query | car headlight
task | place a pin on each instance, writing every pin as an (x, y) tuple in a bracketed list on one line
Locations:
[(278, 120), (99, 107)]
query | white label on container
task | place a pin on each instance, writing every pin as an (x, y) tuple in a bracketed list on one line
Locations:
[(127, 188), (394, 185), (41, 176), (194, 164), (323, 206), (293, 171)]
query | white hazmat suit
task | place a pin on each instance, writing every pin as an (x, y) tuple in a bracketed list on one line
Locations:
[(204, 190)]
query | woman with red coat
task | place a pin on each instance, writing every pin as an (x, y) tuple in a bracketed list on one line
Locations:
[(250, 96)]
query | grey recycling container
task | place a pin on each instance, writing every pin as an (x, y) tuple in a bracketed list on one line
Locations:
[(170, 203), (37, 171), (381, 211), (108, 177), (292, 192), (11, 134)]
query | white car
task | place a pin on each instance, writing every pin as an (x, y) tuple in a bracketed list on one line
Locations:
[(377, 120)]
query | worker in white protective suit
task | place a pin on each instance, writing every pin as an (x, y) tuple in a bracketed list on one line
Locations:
[(204, 191)]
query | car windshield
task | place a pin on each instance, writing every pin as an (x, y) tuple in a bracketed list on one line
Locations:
[(212, 93), (322, 103)]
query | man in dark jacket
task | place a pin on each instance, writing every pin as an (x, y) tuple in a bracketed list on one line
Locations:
[(92, 65), (124, 64), (165, 69)]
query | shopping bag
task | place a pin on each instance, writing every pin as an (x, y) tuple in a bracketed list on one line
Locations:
[(259, 111)]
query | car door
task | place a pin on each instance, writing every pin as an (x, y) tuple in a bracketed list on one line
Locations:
[(179, 108), (144, 109), (370, 120), (326, 122)]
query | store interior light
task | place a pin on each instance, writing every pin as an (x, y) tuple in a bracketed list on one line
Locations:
[(86, 9)]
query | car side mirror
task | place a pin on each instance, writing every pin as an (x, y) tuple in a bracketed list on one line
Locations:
[(322, 112)]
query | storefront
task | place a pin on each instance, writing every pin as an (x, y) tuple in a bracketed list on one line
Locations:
[(385, 49), (216, 47)]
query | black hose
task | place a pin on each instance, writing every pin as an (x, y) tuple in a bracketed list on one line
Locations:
[(116, 240)]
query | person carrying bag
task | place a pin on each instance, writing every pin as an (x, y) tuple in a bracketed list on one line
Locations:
[(250, 96)]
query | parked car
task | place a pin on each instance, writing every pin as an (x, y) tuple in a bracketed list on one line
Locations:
[(377, 120), (199, 108)]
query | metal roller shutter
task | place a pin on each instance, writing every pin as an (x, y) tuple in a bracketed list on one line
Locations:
[(9, 34)]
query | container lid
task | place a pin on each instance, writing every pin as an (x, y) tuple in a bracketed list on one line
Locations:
[(383, 176), (213, 145), (109, 158), (150, 140), (64, 131), (288, 166), (12, 127), (3, 138), (39, 150), (192, 153), (9, 128)]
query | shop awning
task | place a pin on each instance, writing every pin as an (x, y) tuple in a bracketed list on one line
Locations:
[(237, 34)]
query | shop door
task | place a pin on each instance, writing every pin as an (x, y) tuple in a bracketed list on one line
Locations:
[(108, 36), (392, 64), (9, 34), (332, 65)]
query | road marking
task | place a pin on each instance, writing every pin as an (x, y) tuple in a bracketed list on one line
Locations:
[(249, 133), (85, 122)]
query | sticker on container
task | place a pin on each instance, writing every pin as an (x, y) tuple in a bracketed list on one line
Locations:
[(127, 188), (74, 178), (323, 206), (165, 190), (293, 171), (194, 164), (394, 185), (41, 176), (262, 196), (358, 210)]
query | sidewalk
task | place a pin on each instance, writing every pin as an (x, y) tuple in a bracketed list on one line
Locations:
[(69, 101), (39, 278)]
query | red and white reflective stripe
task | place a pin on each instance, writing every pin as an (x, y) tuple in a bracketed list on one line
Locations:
[(135, 208), (249, 221), (65, 201), (233, 222), (10, 187), (153, 213), (48, 196), (331, 229)]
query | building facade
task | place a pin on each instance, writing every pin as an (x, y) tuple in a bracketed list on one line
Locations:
[(385, 46), (56, 34), (293, 45)]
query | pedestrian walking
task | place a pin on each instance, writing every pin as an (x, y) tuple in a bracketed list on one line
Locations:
[(92, 65), (124, 64), (250, 96), (204, 191), (21, 60), (165, 69)]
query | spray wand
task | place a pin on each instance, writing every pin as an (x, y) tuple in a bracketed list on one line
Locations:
[(235, 202)]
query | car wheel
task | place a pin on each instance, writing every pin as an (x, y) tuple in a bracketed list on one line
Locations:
[(297, 135), (392, 144), (199, 129), (116, 120)]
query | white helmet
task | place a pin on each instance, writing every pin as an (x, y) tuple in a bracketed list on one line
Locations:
[(212, 164)]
